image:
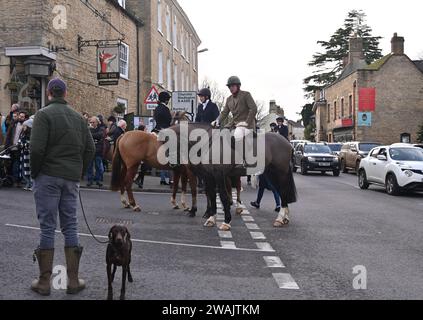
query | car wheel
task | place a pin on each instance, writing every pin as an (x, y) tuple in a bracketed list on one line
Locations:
[(323, 173), (336, 173), (362, 180), (303, 169), (357, 167), (392, 187), (344, 166)]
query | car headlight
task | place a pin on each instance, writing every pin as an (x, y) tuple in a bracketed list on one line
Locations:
[(408, 173), (311, 159), (335, 159)]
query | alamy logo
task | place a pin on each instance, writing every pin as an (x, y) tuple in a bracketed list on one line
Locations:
[(360, 281), (60, 21), (60, 278)]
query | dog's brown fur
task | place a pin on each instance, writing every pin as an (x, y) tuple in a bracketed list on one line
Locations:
[(119, 255)]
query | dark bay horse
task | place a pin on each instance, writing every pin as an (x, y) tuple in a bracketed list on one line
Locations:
[(133, 148), (277, 153)]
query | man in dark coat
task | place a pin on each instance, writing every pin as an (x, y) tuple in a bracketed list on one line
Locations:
[(97, 132), (162, 114), (61, 148), (207, 110), (281, 128)]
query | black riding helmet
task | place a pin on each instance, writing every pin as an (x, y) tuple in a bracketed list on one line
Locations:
[(164, 97), (205, 93)]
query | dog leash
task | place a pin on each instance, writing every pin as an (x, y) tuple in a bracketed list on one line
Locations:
[(86, 221)]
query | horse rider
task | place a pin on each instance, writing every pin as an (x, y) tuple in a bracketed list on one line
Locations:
[(281, 128), (208, 111), (162, 114), (243, 109)]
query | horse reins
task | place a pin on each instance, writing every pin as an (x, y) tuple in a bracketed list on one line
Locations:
[(86, 221)]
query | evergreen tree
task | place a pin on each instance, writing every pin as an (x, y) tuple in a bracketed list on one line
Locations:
[(329, 63)]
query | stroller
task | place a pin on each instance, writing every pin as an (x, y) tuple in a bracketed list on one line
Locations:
[(6, 178)]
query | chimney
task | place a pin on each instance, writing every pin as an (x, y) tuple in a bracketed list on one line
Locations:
[(397, 44), (356, 49)]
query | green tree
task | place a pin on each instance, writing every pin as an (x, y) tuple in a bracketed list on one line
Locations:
[(420, 134), (307, 114), (329, 63)]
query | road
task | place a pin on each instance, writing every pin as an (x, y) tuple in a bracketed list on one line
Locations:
[(335, 227)]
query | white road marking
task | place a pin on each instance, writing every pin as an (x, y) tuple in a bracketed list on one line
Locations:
[(220, 217), (258, 235), (285, 281), (246, 212), (228, 244), (274, 262), (137, 192), (252, 226), (225, 234), (247, 218), (264, 246), (153, 242)]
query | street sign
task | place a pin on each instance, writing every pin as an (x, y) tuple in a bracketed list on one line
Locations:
[(184, 101), (108, 65), (364, 119), (152, 99)]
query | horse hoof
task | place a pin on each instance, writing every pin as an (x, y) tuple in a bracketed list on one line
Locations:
[(239, 211), (225, 227), (210, 223), (279, 224), (285, 221), (190, 214), (187, 209), (126, 206), (137, 209), (176, 207)]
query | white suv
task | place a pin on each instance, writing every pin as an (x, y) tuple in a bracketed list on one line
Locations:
[(397, 167)]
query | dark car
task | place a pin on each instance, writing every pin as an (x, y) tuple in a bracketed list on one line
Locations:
[(315, 157), (336, 148), (352, 153)]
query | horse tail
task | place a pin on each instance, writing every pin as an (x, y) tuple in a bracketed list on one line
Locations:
[(116, 168), (288, 188)]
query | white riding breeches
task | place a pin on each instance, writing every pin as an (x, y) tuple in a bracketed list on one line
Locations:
[(241, 132)]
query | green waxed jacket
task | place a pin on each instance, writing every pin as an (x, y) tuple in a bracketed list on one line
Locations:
[(61, 143)]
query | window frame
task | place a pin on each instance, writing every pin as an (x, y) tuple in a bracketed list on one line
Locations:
[(159, 17), (124, 75)]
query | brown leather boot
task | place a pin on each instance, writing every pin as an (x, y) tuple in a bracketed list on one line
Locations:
[(45, 263), (73, 256)]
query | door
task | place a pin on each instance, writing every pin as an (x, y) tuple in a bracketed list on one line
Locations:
[(379, 168), (371, 168)]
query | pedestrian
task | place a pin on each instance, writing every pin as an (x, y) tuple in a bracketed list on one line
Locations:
[(264, 183), (86, 116), (144, 167), (244, 111), (24, 146), (3, 130), (12, 141), (163, 119), (273, 127), (120, 130), (281, 128), (61, 149), (208, 111), (12, 116), (97, 132), (112, 126)]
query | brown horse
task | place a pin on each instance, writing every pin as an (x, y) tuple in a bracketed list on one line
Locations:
[(130, 150)]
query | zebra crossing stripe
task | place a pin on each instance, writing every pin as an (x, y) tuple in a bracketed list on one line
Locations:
[(225, 234), (265, 246), (285, 281), (252, 226), (228, 244), (220, 217), (247, 218), (273, 262), (258, 236)]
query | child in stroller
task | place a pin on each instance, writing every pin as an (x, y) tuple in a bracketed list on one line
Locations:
[(6, 177)]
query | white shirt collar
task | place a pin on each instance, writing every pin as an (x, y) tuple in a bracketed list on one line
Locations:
[(205, 104)]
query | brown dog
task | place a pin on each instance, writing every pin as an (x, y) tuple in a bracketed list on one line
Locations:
[(118, 254)]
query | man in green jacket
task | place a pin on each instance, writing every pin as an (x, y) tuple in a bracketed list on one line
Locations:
[(61, 149)]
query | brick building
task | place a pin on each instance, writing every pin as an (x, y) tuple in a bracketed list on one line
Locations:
[(31, 28), (376, 102), (170, 46)]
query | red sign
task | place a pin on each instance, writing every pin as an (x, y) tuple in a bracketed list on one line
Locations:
[(152, 97), (367, 99), (347, 123)]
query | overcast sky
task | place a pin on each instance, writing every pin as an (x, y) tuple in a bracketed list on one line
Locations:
[(268, 43)]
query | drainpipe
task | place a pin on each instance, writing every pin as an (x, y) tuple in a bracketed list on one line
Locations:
[(138, 72), (355, 110)]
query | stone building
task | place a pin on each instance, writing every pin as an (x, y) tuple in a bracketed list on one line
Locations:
[(170, 46), (377, 102), (296, 130), (275, 112), (39, 40)]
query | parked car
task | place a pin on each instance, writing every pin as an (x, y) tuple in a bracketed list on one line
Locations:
[(315, 157), (294, 143), (418, 145), (335, 148), (352, 153), (395, 167)]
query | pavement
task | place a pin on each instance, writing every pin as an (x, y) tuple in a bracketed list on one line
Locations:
[(336, 228)]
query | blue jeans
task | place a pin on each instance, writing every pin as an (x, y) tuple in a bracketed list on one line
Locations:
[(272, 188), (164, 175), (55, 196), (99, 170)]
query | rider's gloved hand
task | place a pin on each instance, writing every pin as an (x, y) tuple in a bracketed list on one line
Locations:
[(215, 123), (242, 124)]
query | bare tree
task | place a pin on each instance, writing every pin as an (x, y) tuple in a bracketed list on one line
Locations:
[(218, 94), (261, 111)]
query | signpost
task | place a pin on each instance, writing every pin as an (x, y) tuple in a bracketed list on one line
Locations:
[(184, 101), (152, 99)]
